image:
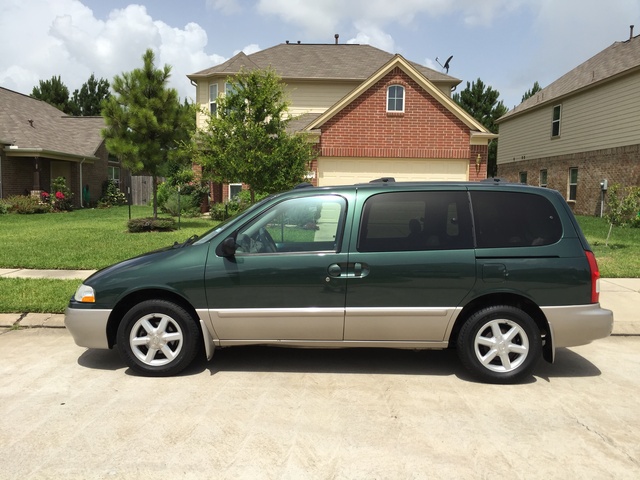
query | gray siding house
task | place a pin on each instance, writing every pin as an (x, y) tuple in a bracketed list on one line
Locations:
[(579, 131), (39, 143)]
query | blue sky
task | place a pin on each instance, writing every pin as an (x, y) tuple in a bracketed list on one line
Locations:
[(509, 44)]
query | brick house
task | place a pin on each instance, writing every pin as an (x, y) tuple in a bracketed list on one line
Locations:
[(39, 143), (372, 114), (582, 129)]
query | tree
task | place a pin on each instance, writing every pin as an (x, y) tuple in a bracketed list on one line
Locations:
[(54, 92), (623, 207), (88, 100), (530, 93), (247, 140), (84, 102), (481, 102), (145, 121)]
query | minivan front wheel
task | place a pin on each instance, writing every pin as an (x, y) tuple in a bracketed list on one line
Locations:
[(158, 338), (500, 344)]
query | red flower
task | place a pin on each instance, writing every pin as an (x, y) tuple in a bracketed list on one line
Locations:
[(60, 195), (44, 195)]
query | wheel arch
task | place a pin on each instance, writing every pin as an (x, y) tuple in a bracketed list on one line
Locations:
[(127, 302), (509, 299)]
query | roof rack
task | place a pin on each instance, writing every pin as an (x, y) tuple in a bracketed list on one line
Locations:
[(383, 180)]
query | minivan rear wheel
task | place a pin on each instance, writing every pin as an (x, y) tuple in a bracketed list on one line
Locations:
[(500, 344), (158, 338)]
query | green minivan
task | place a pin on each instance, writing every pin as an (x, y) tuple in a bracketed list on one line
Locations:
[(501, 272)]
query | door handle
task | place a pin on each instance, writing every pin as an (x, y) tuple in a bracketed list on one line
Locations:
[(353, 270), (334, 270)]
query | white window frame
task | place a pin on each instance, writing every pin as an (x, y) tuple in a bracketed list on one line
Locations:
[(545, 173), (234, 185), (572, 184), (395, 98), (523, 177), (556, 122), (113, 174), (213, 98)]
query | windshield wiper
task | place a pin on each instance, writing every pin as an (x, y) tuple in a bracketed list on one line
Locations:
[(188, 241)]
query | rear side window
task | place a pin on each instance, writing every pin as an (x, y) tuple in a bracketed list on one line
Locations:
[(513, 219), (413, 221)]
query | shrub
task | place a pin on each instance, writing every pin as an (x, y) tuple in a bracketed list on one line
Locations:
[(61, 196), (137, 225), (191, 197), (26, 205), (111, 195), (4, 207), (623, 205)]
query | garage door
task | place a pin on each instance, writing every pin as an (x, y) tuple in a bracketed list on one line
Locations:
[(345, 171)]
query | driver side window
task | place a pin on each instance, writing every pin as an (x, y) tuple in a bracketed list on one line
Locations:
[(311, 224)]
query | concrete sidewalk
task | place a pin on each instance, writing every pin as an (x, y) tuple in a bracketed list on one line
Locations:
[(622, 295)]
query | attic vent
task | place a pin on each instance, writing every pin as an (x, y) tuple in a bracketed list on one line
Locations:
[(337, 36)]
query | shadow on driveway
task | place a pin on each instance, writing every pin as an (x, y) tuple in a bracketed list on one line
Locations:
[(369, 361)]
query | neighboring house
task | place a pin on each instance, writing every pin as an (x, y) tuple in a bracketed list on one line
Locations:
[(371, 113), (582, 129), (39, 143)]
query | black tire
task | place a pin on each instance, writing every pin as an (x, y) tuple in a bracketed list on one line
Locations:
[(158, 338), (500, 344)]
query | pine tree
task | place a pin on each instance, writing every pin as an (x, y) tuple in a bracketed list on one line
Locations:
[(145, 121), (481, 102), (54, 92)]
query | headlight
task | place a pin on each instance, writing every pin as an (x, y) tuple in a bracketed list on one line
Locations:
[(85, 294)]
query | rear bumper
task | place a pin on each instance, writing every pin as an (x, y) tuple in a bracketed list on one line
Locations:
[(578, 325), (88, 327)]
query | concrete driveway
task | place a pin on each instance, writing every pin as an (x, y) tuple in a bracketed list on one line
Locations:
[(269, 413)]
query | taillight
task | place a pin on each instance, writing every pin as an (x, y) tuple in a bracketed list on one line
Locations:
[(595, 277)]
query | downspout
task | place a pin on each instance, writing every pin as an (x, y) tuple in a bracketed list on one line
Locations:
[(81, 187)]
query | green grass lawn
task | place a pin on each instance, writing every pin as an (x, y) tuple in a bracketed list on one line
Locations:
[(83, 239), (19, 295), (621, 257), (92, 239)]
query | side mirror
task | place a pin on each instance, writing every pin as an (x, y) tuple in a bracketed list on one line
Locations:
[(229, 247)]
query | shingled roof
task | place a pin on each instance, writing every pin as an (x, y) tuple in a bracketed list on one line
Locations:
[(317, 61), (30, 124), (618, 59)]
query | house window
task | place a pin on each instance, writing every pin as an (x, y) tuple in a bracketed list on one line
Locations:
[(113, 174), (234, 190), (213, 98), (555, 124), (523, 177), (395, 98), (543, 178), (228, 89), (573, 183)]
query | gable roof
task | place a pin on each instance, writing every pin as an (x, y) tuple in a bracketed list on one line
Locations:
[(318, 61), (32, 127), (616, 60), (408, 68)]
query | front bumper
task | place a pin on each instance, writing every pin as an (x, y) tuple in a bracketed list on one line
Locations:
[(88, 327), (579, 324)]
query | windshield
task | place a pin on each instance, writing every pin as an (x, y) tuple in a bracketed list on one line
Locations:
[(215, 231)]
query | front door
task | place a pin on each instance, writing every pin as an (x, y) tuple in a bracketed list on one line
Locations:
[(281, 282)]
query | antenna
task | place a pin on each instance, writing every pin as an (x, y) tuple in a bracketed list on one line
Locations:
[(446, 64)]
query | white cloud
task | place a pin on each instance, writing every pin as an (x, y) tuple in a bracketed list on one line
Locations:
[(371, 34), (65, 39)]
